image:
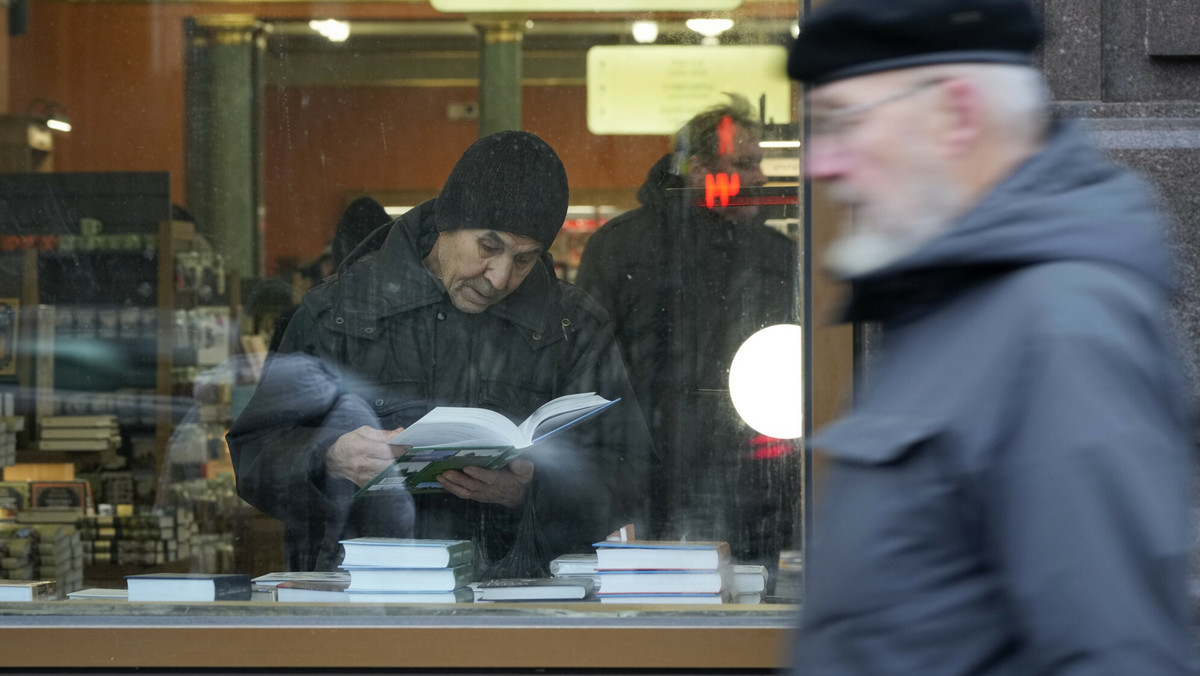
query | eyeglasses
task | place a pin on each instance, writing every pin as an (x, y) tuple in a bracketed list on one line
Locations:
[(838, 122)]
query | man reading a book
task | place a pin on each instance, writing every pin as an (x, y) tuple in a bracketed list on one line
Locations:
[(456, 303)]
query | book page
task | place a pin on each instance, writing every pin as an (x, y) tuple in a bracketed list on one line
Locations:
[(560, 413), (457, 426)]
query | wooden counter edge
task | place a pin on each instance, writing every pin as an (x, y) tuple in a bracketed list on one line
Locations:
[(417, 646)]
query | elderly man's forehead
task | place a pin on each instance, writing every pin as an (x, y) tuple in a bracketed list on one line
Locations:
[(512, 239)]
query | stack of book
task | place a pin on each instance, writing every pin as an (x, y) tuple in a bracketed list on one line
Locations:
[(402, 570), (79, 433), (644, 571), (9, 426), (148, 537), (749, 582), (60, 556), (18, 552)]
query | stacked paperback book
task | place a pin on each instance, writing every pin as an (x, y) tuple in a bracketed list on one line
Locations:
[(148, 537), (60, 556), (79, 433), (644, 571), (403, 570)]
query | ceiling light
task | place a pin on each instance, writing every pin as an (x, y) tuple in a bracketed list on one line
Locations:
[(52, 114), (709, 28), (778, 144), (332, 29), (645, 32)]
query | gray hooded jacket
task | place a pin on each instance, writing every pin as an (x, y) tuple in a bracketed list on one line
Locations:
[(1010, 494)]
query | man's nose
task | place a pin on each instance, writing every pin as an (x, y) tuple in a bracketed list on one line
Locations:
[(499, 272), (823, 161)]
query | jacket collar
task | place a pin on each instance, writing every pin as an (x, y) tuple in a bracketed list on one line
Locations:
[(393, 279)]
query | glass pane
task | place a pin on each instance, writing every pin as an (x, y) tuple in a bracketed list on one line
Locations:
[(228, 286)]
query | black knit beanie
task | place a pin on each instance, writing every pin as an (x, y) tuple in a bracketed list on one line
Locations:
[(511, 181), (849, 38)]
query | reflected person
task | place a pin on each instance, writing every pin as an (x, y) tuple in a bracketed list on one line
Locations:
[(454, 304), (1010, 493), (685, 286)]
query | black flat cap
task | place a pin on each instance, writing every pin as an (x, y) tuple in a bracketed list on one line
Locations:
[(848, 38)]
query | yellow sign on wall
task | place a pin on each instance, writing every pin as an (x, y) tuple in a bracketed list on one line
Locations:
[(654, 89)]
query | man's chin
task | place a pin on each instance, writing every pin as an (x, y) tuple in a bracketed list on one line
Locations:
[(468, 306), (859, 254)]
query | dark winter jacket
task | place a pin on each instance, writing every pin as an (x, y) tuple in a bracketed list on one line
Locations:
[(685, 288), (392, 346), (1010, 493)]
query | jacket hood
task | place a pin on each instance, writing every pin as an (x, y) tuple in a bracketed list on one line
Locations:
[(1066, 203), (659, 179)]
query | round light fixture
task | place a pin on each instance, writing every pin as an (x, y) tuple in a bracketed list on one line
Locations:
[(766, 381), (645, 32)]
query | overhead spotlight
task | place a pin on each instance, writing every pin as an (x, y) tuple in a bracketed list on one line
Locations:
[(645, 32), (795, 29), (709, 28), (50, 113), (332, 29)]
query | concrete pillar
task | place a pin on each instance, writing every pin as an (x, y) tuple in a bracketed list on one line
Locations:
[(499, 73), (222, 118)]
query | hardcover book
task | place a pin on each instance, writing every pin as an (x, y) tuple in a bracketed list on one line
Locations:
[(454, 437), (664, 598), (661, 555), (275, 579), (98, 594), (661, 582), (407, 552), (573, 564), (749, 578), (312, 591), (460, 595), (533, 589), (408, 579), (27, 591), (188, 587)]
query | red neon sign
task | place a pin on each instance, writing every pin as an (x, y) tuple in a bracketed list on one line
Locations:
[(720, 188)]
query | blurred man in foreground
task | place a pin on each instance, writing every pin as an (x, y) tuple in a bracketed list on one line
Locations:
[(1010, 493)]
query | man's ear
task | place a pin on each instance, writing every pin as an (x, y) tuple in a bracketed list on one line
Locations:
[(962, 106)]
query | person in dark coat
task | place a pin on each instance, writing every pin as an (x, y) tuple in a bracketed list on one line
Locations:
[(454, 304), (685, 286), (1010, 492), (360, 219)]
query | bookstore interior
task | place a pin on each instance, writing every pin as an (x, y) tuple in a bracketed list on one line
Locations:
[(191, 191)]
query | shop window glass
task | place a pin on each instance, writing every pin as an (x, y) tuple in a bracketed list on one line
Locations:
[(225, 159)]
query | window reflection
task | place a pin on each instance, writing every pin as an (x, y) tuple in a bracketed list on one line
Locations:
[(261, 131)]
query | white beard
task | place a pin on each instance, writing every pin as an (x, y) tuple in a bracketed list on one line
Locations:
[(862, 252), (878, 235)]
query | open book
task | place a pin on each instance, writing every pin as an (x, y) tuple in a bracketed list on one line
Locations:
[(452, 438)]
